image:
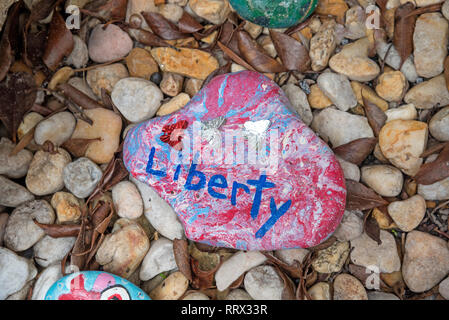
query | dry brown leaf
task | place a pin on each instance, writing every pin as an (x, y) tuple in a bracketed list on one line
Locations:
[(371, 228), (60, 42), (78, 147), (187, 24), (145, 37), (107, 9), (59, 230), (404, 26), (231, 54), (289, 286), (162, 27), (203, 279), (256, 56), (357, 150), (436, 170), (6, 49), (17, 95), (78, 96), (293, 271), (360, 197), (376, 117), (294, 55), (182, 257)]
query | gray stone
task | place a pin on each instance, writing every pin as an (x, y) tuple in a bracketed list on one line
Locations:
[(127, 200), (13, 194), (290, 256), (443, 288), (439, 125), (160, 258), (235, 266), (430, 44), (15, 272), (340, 127), (350, 227), (50, 250), (238, 294), (46, 279), (80, 55), (426, 261), (367, 253), (159, 213), (429, 93), (13, 166), (384, 179), (21, 232), (264, 283), (45, 176), (57, 129), (394, 60), (137, 99), (338, 89), (299, 102), (350, 170), (81, 177), (347, 287)]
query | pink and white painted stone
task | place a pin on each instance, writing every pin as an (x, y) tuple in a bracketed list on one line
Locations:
[(295, 199)]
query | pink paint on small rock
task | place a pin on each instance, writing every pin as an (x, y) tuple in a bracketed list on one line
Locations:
[(295, 200), (108, 44)]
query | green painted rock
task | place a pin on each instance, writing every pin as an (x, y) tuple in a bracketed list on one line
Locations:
[(274, 13)]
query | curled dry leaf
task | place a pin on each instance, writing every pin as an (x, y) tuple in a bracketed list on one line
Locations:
[(404, 26), (145, 37), (187, 24), (256, 56), (436, 170), (293, 271), (294, 55), (289, 286), (433, 149), (376, 117), (78, 96), (203, 279), (231, 54), (360, 197), (357, 150), (107, 9), (182, 257), (371, 228), (17, 96), (162, 27), (60, 42), (6, 51), (59, 230), (426, 9), (78, 147), (41, 10)]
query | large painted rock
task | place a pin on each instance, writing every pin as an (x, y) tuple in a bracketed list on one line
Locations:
[(94, 285), (240, 168), (274, 13)]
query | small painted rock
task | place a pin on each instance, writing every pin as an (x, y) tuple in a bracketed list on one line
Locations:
[(274, 14), (278, 186), (94, 285)]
